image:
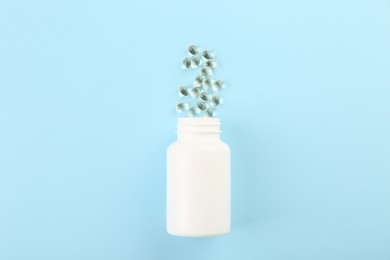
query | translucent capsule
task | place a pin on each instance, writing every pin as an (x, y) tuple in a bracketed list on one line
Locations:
[(193, 50), (201, 105), (215, 101), (210, 64), (181, 106), (193, 111), (195, 62), (183, 91), (198, 81), (206, 72), (208, 83), (209, 112), (186, 63), (207, 55), (195, 91), (218, 85), (203, 96)]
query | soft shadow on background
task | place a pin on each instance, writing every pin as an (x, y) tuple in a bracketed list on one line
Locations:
[(249, 182)]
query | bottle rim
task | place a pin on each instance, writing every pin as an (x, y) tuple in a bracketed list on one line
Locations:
[(199, 121), (198, 125)]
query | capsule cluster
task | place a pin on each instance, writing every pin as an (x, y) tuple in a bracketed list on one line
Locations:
[(202, 99)]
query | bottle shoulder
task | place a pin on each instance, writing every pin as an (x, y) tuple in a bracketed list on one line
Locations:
[(225, 145)]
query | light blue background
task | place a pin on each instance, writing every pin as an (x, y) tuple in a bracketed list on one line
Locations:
[(87, 90)]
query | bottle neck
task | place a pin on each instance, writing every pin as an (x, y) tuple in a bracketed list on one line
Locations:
[(200, 129)]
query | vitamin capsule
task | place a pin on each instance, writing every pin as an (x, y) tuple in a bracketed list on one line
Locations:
[(218, 85), (203, 96), (210, 64), (195, 91), (195, 62), (198, 81), (206, 72), (193, 111), (193, 50), (207, 55), (215, 101), (186, 63), (208, 83), (181, 106), (201, 105), (209, 112), (183, 91)]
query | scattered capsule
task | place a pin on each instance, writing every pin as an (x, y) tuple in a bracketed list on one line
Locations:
[(203, 96), (195, 91), (208, 83), (186, 63), (195, 62), (193, 50), (198, 81), (181, 106), (207, 55), (206, 72), (218, 85), (192, 111), (210, 64), (209, 112), (202, 84), (215, 101), (183, 91), (201, 105)]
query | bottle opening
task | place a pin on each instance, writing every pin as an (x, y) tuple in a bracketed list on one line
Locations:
[(199, 121), (198, 126)]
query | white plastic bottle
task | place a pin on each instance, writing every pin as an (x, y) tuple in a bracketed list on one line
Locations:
[(198, 180)]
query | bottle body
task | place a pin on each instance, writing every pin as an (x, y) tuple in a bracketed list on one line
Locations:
[(198, 180)]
